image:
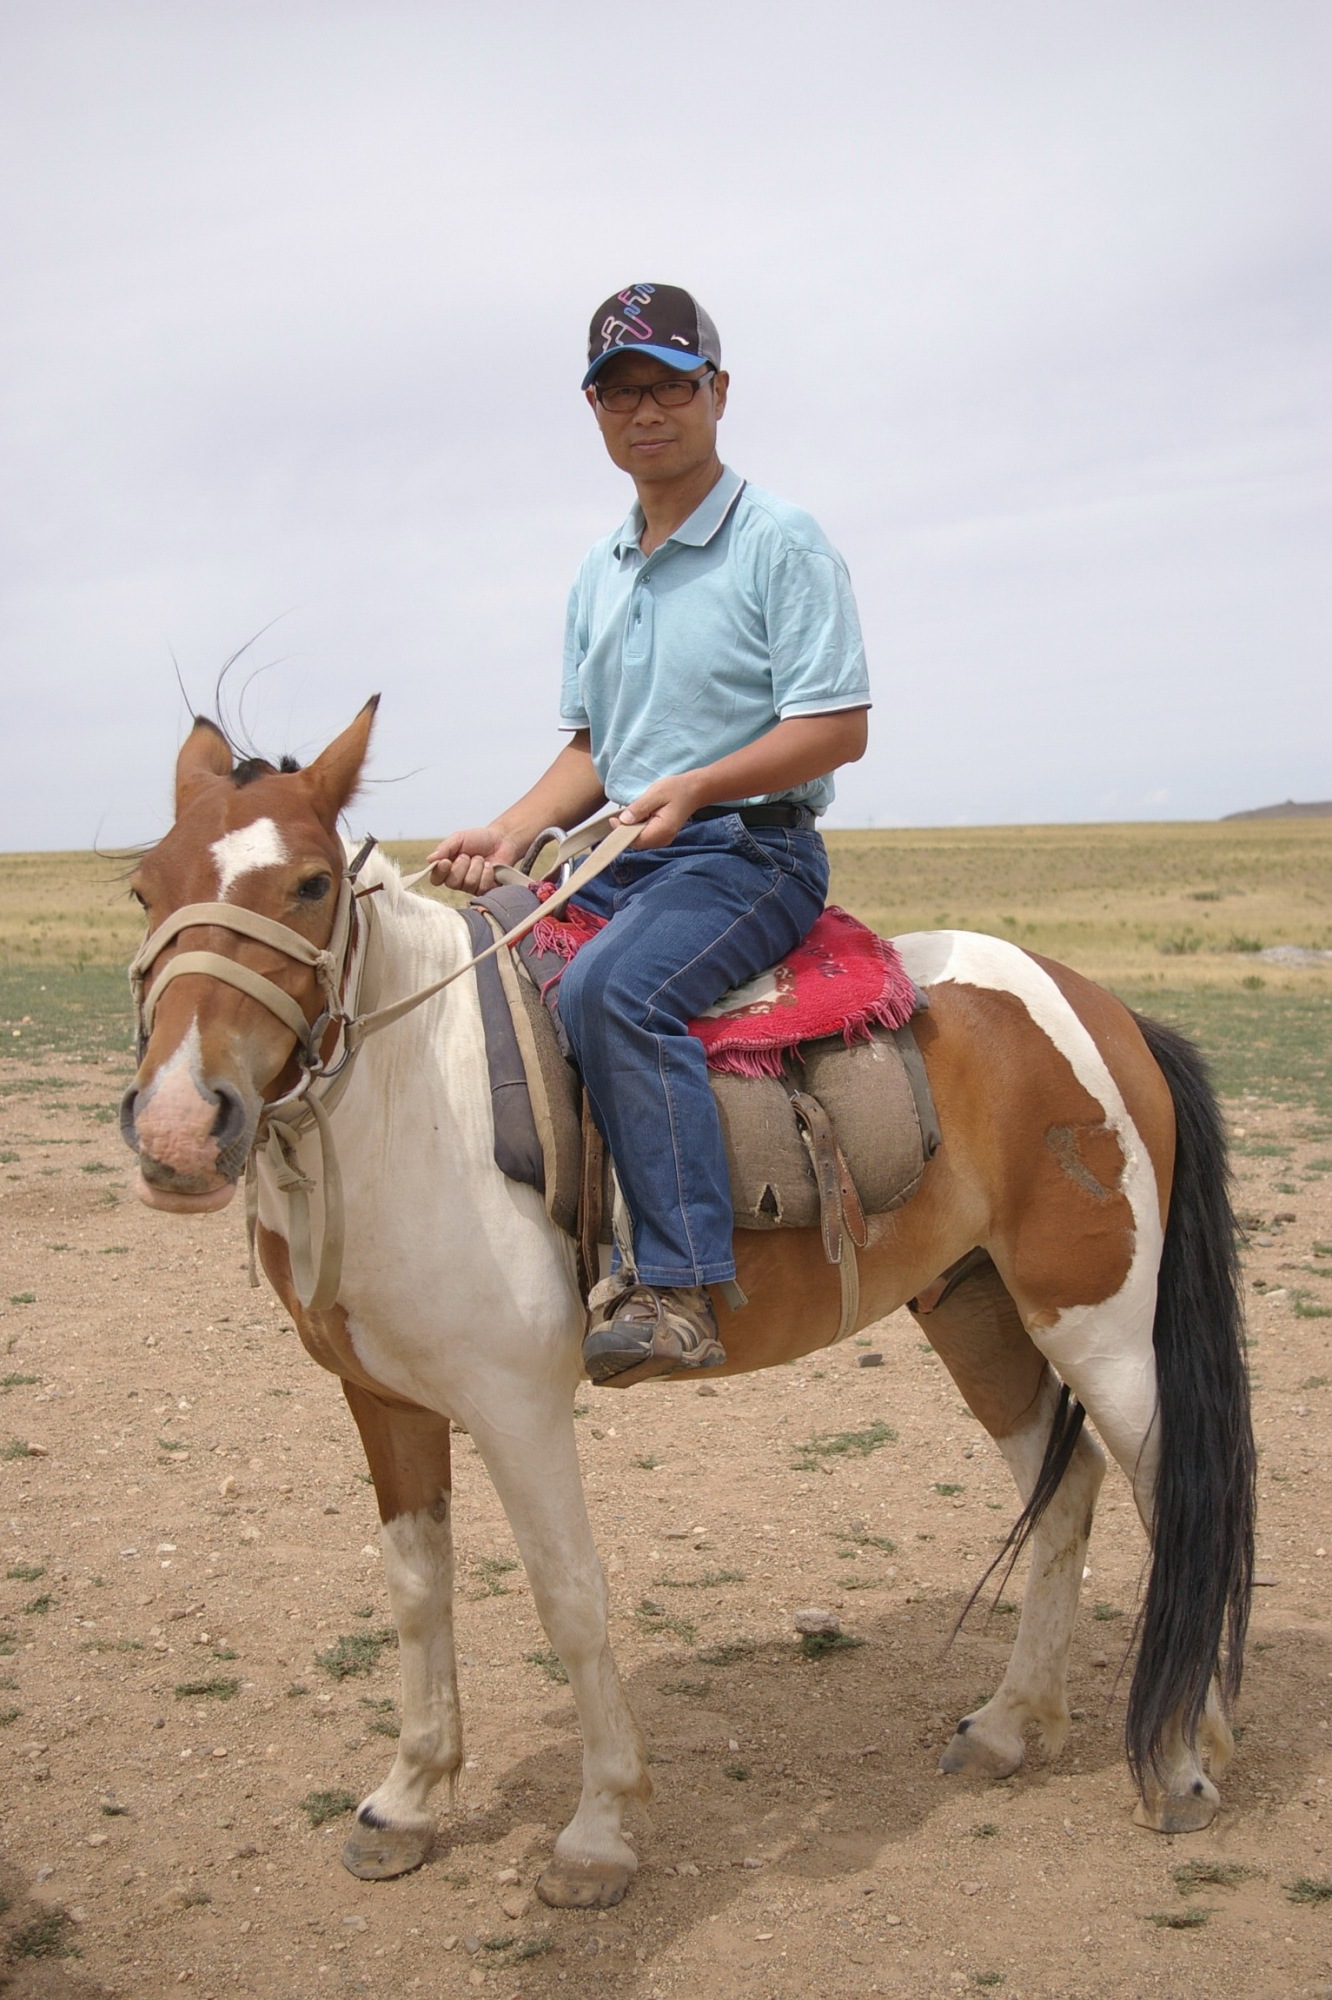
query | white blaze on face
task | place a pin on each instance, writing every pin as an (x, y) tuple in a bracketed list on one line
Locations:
[(258, 845)]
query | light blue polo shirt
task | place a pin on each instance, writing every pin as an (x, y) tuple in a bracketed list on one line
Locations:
[(743, 617)]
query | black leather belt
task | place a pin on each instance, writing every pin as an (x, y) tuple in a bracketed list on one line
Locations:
[(794, 816)]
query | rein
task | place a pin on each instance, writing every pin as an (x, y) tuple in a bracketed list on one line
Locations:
[(282, 1123)]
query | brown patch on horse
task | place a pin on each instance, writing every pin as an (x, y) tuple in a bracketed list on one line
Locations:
[(977, 1333)]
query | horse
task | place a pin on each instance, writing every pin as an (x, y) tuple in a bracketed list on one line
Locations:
[(1070, 1250)]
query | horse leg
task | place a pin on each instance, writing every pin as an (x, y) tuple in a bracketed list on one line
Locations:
[(408, 1453), (979, 1337), (535, 1472)]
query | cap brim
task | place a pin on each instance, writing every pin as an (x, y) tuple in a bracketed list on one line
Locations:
[(684, 363)]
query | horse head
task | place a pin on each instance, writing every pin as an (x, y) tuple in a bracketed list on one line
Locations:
[(222, 996)]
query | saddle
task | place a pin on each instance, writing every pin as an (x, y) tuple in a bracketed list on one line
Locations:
[(832, 1134)]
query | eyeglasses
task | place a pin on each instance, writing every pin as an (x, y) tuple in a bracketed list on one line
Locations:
[(622, 397)]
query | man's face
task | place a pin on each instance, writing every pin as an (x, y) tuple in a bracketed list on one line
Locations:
[(651, 443)]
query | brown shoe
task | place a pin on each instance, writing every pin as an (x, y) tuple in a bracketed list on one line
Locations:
[(671, 1326)]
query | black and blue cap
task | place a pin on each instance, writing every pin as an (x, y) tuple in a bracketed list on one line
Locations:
[(660, 320)]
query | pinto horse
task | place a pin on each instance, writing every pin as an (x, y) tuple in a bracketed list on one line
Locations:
[(1082, 1154)]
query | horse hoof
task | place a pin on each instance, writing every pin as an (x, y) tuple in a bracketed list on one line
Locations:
[(567, 1885), (1173, 1812), (378, 1853), (968, 1751)]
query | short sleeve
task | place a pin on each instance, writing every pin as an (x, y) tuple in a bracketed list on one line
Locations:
[(573, 715), (814, 642)]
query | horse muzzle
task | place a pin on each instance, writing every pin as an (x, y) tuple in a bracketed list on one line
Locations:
[(192, 1139)]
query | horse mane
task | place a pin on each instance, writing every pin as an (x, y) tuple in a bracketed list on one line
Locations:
[(250, 768)]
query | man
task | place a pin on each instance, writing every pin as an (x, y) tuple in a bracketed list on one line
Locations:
[(714, 678)]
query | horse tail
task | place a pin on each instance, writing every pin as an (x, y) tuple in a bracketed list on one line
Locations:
[(1193, 1622)]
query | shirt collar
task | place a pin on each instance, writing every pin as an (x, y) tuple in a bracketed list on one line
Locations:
[(696, 532)]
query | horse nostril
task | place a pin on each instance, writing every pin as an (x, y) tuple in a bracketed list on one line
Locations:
[(231, 1118)]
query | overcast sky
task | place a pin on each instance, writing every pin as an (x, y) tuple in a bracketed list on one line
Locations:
[(1028, 304)]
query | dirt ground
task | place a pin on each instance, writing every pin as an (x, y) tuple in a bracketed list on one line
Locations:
[(185, 1527)]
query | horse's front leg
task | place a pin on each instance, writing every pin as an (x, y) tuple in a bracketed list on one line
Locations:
[(533, 1462), (408, 1453)]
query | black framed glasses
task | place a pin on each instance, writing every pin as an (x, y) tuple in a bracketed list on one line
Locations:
[(620, 398)]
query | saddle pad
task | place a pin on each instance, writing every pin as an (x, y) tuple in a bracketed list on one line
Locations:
[(841, 979), (874, 1090)]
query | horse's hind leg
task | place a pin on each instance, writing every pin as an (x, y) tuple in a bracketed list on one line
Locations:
[(408, 1453), (979, 1337)]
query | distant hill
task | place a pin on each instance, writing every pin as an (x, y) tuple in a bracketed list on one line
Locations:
[(1321, 809)]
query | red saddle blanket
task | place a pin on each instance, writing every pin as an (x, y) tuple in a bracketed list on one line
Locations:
[(840, 979)]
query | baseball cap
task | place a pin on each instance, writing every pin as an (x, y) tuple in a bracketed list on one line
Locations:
[(660, 320)]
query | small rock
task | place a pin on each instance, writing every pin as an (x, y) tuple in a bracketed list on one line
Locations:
[(814, 1622), (894, 1921), (515, 1903), (98, 1839), (228, 1487), (686, 1868), (678, 1534), (507, 1877), (38, 1451), (331, 1509), (871, 1360), (471, 1944), (704, 1389), (751, 1861), (1265, 1242), (1265, 1581), (971, 1888), (1099, 1660), (355, 1924)]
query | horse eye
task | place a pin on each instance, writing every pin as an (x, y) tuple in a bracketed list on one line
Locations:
[(139, 898), (315, 888)]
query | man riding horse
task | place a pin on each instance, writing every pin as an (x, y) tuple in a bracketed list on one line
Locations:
[(714, 679)]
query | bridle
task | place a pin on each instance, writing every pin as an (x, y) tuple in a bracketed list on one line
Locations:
[(339, 970)]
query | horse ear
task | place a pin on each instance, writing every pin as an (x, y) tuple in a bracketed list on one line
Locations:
[(336, 772), (204, 754)]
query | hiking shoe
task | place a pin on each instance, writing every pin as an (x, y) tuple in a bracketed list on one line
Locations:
[(670, 1326)]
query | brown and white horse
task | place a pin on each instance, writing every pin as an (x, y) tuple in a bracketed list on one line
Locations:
[(1082, 1150)]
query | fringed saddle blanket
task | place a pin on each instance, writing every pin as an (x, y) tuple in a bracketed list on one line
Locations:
[(840, 980)]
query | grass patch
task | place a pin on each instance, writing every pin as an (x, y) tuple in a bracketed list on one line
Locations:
[(46, 1936), (38, 1607), (1106, 1612), (25, 1572), (987, 1830), (216, 1689), (172, 1444), (1305, 1306), (23, 1298), (321, 1807), (15, 1448), (8, 1715), (534, 1947), (654, 1618), (815, 1644), (647, 1463), (1195, 1875), (111, 1646), (842, 1444), (987, 1978), (1274, 1045), (550, 1663), (1178, 1920), (711, 1579), (1315, 1889), (17, 1381), (948, 1489), (488, 1570), (691, 1690), (355, 1653), (860, 1540), (738, 1772), (729, 1653)]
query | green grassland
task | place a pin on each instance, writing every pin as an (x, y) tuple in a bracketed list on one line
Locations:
[(1170, 915)]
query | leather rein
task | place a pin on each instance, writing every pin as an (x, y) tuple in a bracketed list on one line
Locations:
[(340, 973)]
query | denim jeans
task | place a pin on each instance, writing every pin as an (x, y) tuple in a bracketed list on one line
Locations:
[(687, 922)]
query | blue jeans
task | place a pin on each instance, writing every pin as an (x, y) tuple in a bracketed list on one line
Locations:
[(687, 922)]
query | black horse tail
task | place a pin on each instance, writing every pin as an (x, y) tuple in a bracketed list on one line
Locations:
[(1192, 1625)]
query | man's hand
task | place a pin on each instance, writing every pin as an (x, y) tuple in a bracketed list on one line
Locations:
[(663, 808), (468, 860)]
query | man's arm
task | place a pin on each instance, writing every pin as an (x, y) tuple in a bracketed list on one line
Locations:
[(567, 793), (791, 753)]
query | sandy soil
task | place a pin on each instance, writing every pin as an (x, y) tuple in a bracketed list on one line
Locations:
[(191, 1508)]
